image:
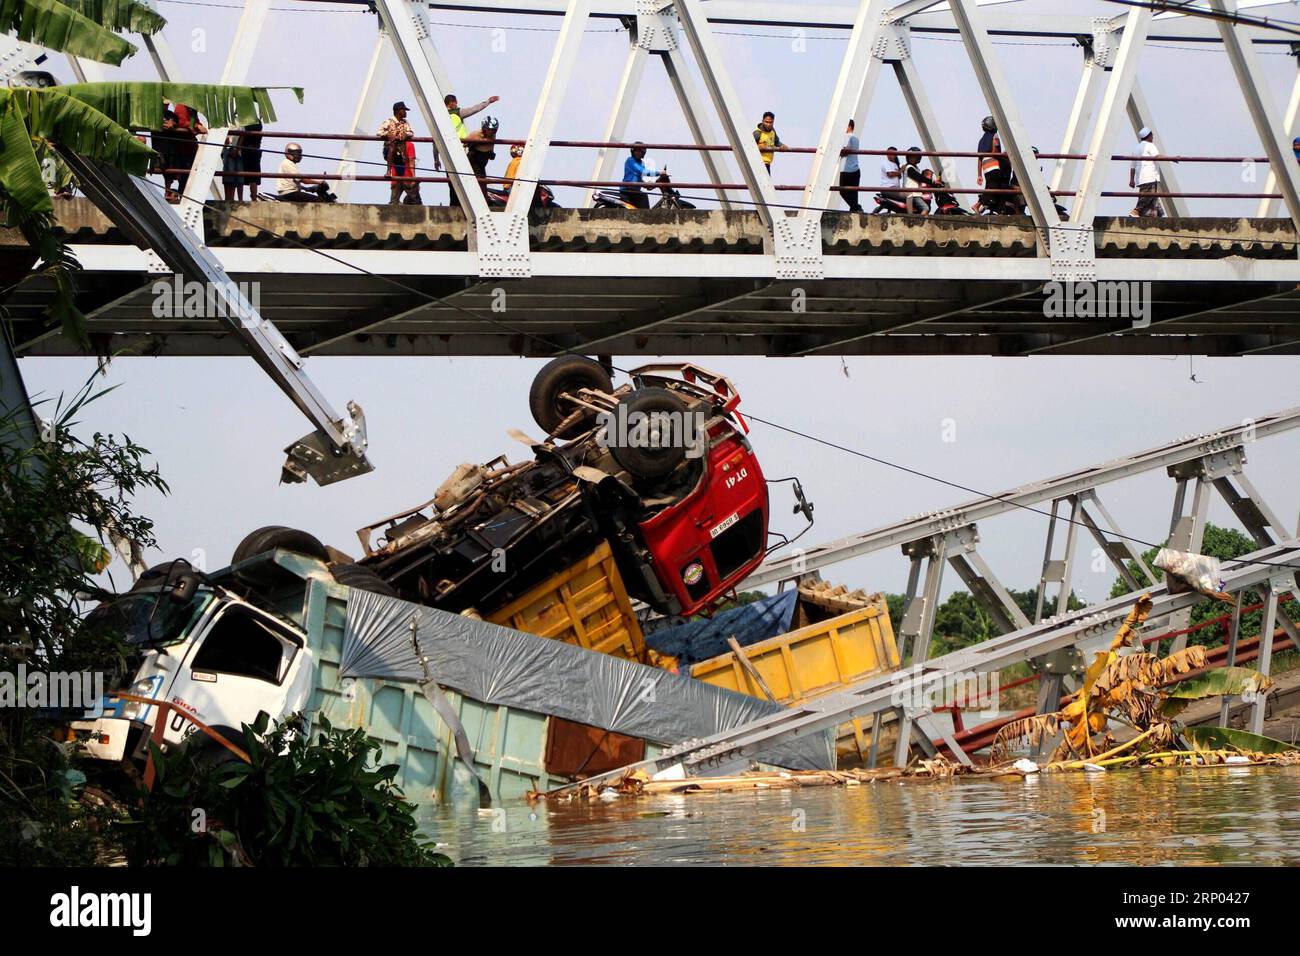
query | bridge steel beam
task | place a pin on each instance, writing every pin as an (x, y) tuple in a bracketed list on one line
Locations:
[(408, 28), (207, 161), (695, 109), (1076, 127), (564, 59), (1119, 87), (979, 48), (1254, 88), (979, 510), (1268, 207), (367, 109), (629, 84), (918, 104), (850, 89), (699, 37)]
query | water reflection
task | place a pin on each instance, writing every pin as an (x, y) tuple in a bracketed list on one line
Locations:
[(1229, 815)]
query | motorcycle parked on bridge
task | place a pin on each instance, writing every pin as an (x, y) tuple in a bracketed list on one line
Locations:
[(671, 198), (543, 198)]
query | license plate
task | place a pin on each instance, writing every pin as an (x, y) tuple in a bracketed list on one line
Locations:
[(718, 529)]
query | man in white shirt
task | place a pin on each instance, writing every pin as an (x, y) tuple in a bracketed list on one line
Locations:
[(850, 172), (289, 187), (1144, 175), (891, 176)]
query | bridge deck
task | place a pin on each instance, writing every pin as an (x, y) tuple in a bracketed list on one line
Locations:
[(689, 282)]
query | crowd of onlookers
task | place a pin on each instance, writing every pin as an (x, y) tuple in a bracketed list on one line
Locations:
[(904, 185)]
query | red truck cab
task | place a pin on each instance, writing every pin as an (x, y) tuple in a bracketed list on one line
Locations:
[(706, 544)]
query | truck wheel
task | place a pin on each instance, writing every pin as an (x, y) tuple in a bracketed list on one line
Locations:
[(362, 578), (564, 374), (277, 536), (640, 451)]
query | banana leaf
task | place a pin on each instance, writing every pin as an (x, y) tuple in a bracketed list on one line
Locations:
[(139, 105), (20, 171), (1223, 738), (1221, 681), (59, 27), (120, 14)]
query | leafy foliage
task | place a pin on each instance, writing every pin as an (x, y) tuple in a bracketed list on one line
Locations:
[(960, 621), (1138, 689), (65, 28), (298, 802), (1224, 544), (50, 483)]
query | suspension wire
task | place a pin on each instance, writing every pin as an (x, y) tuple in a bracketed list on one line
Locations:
[(1234, 18), (559, 348)]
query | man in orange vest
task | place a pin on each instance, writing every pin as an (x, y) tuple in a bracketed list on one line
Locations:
[(991, 169)]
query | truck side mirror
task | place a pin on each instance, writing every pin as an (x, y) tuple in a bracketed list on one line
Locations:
[(182, 592), (802, 504)]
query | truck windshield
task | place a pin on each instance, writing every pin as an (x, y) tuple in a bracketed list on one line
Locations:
[(145, 618)]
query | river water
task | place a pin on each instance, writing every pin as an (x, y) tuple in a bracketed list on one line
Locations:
[(1224, 815)]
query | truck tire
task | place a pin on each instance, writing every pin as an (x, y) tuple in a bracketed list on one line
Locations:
[(362, 578), (566, 373), (277, 536), (651, 462)]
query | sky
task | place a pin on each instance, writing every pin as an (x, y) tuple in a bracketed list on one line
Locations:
[(218, 427)]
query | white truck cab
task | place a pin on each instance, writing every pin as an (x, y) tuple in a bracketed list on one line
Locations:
[(216, 657)]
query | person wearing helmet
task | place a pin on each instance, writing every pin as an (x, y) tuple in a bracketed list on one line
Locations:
[(991, 170), (634, 177), (512, 169), (290, 187), (917, 203), (481, 146), (399, 153), (458, 117)]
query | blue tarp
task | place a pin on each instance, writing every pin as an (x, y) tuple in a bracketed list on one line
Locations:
[(702, 639)]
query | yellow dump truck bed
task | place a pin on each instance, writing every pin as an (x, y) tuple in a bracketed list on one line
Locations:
[(585, 604), (817, 658)]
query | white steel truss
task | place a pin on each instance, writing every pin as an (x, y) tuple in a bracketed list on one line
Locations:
[(681, 34)]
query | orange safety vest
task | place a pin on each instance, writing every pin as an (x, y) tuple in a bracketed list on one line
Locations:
[(990, 163)]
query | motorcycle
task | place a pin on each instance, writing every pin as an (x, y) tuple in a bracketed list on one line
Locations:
[(670, 199), (543, 198)]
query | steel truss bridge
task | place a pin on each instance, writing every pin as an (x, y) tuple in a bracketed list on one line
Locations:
[(773, 271), (356, 279), (1200, 466)]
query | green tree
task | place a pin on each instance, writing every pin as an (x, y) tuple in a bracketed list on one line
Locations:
[(96, 120), (1224, 544), (59, 498), (960, 621)]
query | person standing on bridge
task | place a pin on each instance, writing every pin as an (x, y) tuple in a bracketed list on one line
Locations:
[(768, 140), (1146, 174), (850, 172), (399, 152), (991, 168), (458, 116)]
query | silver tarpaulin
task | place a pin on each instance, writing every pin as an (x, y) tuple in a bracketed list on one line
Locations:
[(500, 666)]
